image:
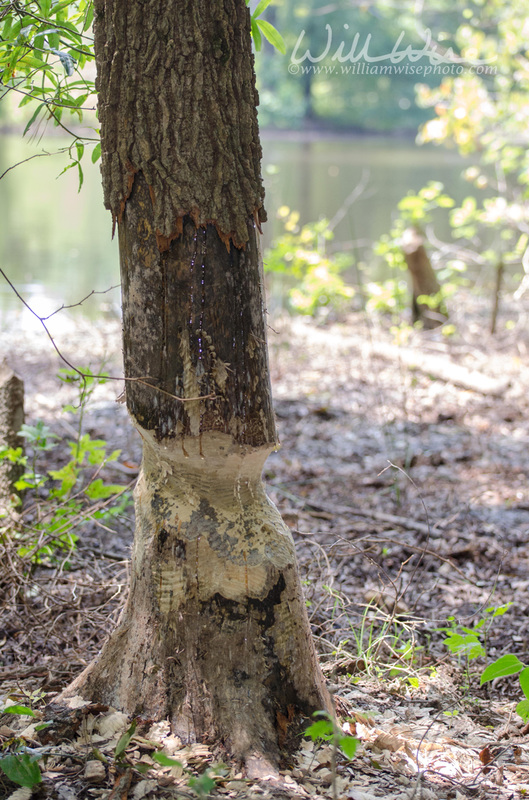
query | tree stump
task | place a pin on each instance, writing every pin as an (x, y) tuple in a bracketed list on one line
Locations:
[(11, 420), (424, 280)]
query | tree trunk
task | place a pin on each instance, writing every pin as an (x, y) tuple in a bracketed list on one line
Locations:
[(214, 635), (424, 280)]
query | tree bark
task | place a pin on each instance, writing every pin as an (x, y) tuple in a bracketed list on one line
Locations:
[(214, 635)]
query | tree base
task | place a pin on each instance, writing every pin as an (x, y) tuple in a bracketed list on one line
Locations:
[(214, 635)]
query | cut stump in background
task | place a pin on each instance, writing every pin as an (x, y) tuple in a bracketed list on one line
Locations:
[(11, 420), (424, 280)]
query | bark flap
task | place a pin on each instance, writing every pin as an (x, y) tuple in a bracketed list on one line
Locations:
[(186, 113)]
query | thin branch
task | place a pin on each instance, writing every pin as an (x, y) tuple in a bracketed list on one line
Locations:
[(71, 133), (357, 192), (74, 305), (56, 25), (58, 104), (36, 155), (144, 380)]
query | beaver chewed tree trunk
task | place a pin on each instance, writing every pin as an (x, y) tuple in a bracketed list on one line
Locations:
[(214, 635)]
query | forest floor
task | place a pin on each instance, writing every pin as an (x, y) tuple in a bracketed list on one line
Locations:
[(404, 476)]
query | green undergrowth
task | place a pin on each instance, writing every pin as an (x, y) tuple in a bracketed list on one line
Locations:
[(377, 642), (469, 645), (50, 506)]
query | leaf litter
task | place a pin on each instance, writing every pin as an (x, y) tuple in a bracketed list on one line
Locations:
[(408, 497)]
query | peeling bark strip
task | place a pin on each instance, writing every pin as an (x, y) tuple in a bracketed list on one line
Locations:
[(177, 101)]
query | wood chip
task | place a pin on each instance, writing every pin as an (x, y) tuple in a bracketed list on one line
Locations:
[(95, 772)]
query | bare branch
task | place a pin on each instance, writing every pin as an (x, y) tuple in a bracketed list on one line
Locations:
[(144, 380)]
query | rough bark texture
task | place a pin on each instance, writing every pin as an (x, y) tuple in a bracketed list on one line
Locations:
[(214, 635), (11, 420), (424, 280), (194, 327), (177, 103)]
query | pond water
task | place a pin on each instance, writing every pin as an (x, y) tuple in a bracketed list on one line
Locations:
[(56, 243)]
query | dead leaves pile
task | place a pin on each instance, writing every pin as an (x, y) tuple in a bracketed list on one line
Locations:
[(410, 746)]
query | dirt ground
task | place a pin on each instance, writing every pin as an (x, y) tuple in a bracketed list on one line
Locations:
[(403, 474)]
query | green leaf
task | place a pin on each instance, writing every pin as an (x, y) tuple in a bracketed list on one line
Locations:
[(59, 7), (348, 745), (89, 17), (500, 610), (203, 785), (260, 8), (523, 710), (96, 153), (165, 761), (43, 725), (22, 769), (322, 729), (272, 34), (524, 681), (256, 34), (81, 176), (33, 118), (6, 30), (124, 740), (18, 710), (97, 490), (468, 645), (503, 666)]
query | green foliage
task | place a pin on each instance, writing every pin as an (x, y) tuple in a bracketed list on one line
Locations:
[(62, 500), (260, 27), (17, 709), (483, 112), (201, 785), (22, 768), (510, 665), (44, 47), (415, 211), (389, 296), (300, 253), (20, 765), (465, 644), (124, 740), (471, 643), (166, 761), (326, 729)]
